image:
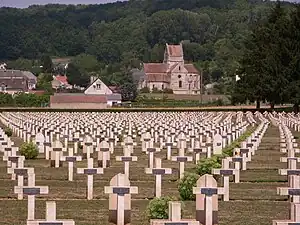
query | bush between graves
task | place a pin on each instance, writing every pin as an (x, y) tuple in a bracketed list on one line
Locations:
[(8, 131), (29, 150), (185, 186), (205, 166), (158, 208)]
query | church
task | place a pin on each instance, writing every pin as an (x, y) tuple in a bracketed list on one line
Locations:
[(172, 73)]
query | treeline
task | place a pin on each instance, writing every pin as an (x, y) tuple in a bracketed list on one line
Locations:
[(23, 100), (124, 34), (270, 67)]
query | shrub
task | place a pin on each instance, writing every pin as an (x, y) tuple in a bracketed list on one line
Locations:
[(158, 208), (29, 150), (8, 131), (186, 185), (168, 91), (205, 166), (145, 90), (155, 90)]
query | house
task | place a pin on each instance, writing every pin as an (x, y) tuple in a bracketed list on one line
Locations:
[(60, 81), (97, 87), (173, 73), (12, 81), (96, 96), (78, 101)]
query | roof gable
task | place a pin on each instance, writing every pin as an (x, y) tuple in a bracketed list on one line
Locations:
[(98, 88)]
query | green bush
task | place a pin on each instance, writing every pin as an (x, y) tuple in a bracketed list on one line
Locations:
[(205, 166), (158, 208), (8, 131), (145, 90), (186, 184), (29, 150)]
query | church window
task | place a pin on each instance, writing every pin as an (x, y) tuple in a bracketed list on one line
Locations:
[(179, 68), (180, 84), (179, 76), (153, 86), (162, 86)]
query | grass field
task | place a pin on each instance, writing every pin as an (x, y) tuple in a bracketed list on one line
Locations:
[(253, 201)]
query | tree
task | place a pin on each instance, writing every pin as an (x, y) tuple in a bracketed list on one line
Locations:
[(47, 64), (263, 70), (75, 77)]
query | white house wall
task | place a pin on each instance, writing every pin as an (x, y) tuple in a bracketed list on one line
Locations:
[(98, 88)]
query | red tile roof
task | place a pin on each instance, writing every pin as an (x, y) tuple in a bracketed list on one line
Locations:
[(158, 77), (191, 68), (78, 99), (155, 67), (175, 50), (62, 79)]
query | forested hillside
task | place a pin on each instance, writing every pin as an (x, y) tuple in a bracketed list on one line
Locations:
[(127, 33)]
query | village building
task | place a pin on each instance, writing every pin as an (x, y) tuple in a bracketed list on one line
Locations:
[(96, 96), (173, 73), (60, 82), (13, 81)]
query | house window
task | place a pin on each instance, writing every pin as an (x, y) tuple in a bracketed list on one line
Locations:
[(180, 84), (98, 86), (162, 86)]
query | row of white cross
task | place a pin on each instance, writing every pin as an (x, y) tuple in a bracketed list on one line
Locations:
[(120, 189), (288, 145)]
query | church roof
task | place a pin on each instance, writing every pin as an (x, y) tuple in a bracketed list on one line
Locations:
[(175, 50), (191, 68), (155, 67), (163, 77)]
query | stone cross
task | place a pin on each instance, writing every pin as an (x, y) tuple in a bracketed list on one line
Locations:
[(197, 150), (56, 153), (207, 200), (120, 199), (295, 218), (181, 159), (126, 159), (158, 171), (174, 217), (103, 154), (128, 144), (90, 171), (217, 144), (293, 190), (31, 190), (13, 159), (151, 150), (70, 159), (50, 217), (225, 171), (169, 144), (39, 140), (87, 147), (21, 171)]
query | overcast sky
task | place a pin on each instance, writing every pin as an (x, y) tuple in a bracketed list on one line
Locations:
[(26, 3)]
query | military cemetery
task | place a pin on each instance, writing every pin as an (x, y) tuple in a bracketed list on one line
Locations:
[(152, 112), (105, 168)]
